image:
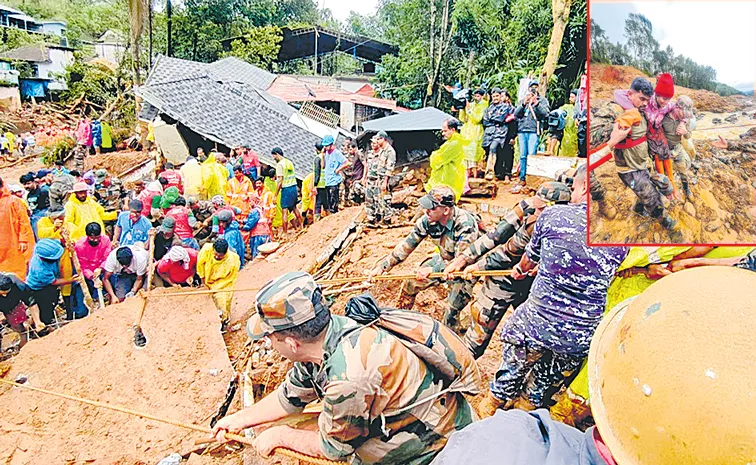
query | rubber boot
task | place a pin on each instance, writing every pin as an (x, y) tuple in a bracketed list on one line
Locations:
[(686, 191), (606, 210), (639, 209), (667, 222), (490, 405)]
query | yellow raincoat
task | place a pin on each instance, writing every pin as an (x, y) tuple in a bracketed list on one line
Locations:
[(624, 288), (79, 214), (568, 147), (447, 165), (277, 214), (219, 275), (308, 200), (46, 230), (214, 176), (472, 129), (11, 141), (191, 173)]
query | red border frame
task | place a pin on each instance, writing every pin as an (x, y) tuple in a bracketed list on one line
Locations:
[(588, 142)]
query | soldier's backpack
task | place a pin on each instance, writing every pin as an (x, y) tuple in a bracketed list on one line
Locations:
[(438, 346)]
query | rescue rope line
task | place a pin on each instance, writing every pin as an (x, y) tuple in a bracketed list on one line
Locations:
[(330, 282), (202, 429), (725, 127)]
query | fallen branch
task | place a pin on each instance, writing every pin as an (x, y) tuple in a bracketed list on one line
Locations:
[(111, 107)]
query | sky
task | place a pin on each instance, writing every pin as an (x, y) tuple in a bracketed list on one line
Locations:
[(719, 34), (341, 8)]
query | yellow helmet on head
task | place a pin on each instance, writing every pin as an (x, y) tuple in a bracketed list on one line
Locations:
[(672, 373)]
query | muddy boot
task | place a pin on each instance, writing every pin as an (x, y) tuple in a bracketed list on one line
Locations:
[(606, 210), (639, 209), (686, 191), (489, 406), (668, 223)]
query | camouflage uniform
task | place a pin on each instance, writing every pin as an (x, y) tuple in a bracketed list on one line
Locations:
[(741, 146), (379, 165), (369, 383), (79, 154), (507, 244), (548, 336), (632, 163), (110, 197), (59, 189), (203, 210), (567, 176), (451, 240)]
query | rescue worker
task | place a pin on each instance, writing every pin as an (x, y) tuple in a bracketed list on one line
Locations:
[(240, 190), (45, 278), (508, 242), (218, 267), (191, 173), (382, 403), (379, 168), (51, 227), (658, 364), (125, 270), (15, 300), (232, 234), (16, 232), (496, 129), (81, 209), (286, 189), (447, 163), (60, 188), (452, 230), (472, 130), (109, 190), (624, 131), (547, 337)]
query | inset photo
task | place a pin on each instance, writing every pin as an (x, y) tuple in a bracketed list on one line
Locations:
[(672, 123)]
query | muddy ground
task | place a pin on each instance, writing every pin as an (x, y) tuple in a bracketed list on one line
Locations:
[(723, 208)]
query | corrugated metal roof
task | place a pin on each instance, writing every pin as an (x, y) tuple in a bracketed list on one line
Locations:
[(424, 119), (292, 89)]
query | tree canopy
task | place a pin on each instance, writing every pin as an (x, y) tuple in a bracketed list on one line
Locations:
[(642, 51)]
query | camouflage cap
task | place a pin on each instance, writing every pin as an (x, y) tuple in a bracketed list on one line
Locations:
[(439, 195), (284, 303), (554, 192)]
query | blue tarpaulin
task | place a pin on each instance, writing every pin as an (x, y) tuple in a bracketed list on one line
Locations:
[(32, 88)]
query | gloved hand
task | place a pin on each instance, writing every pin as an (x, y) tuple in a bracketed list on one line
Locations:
[(130, 294)]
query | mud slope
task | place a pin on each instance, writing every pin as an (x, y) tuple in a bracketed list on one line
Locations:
[(182, 374)]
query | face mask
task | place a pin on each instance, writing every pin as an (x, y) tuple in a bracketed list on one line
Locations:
[(435, 230), (94, 243)]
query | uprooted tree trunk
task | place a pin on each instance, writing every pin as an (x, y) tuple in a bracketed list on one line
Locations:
[(439, 45), (560, 12)]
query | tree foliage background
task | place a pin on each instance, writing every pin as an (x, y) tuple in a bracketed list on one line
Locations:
[(643, 52), (485, 42)]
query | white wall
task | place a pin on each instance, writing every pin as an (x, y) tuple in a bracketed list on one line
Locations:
[(111, 52), (59, 59), (58, 29)]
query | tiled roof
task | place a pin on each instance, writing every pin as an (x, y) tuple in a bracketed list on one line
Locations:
[(224, 106), (36, 53)]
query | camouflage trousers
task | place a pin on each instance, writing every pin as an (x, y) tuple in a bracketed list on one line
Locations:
[(648, 188), (376, 206), (58, 194), (529, 370), (682, 162), (80, 153), (490, 306), (460, 292)]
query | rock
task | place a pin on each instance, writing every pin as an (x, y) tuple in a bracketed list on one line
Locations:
[(716, 121), (733, 118), (713, 226), (753, 184), (745, 113), (723, 159), (356, 254), (695, 165), (746, 156), (690, 209)]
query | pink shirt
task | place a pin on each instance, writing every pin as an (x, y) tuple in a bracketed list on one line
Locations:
[(90, 257)]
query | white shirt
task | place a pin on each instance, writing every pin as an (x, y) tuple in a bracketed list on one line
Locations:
[(138, 265)]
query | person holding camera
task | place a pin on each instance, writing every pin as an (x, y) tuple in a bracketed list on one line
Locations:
[(529, 113)]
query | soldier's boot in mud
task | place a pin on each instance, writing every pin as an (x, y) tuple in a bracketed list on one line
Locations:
[(606, 210), (489, 405), (675, 236), (686, 191), (639, 209)]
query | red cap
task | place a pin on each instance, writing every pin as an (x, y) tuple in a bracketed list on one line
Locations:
[(665, 86)]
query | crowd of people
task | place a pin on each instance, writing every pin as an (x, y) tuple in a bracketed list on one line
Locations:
[(494, 123)]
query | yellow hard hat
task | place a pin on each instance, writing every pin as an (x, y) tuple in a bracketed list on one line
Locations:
[(672, 373)]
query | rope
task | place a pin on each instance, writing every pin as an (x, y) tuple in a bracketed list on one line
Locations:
[(331, 282), (725, 127), (202, 429)]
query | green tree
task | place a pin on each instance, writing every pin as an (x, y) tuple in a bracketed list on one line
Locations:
[(260, 46)]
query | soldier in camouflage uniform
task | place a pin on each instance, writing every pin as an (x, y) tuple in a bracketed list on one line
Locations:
[(598, 193), (452, 229), (735, 145), (378, 170), (507, 244), (548, 336), (382, 404), (59, 190), (631, 155), (109, 191), (203, 211)]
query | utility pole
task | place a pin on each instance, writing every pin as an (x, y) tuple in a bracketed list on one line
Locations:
[(169, 18), (149, 24)]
